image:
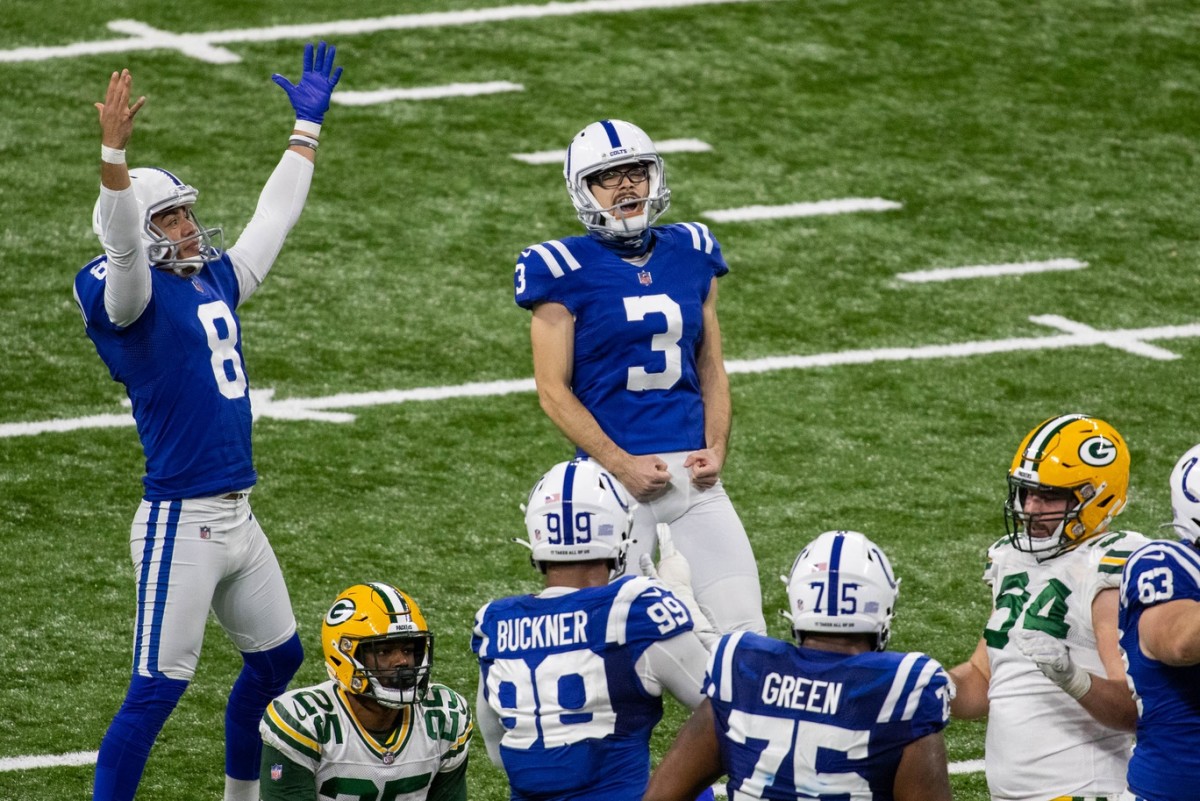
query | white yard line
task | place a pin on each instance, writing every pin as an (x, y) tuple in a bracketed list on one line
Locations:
[(665, 146), (849, 205), (204, 46), (1076, 335), (377, 96), (74, 758), (990, 270)]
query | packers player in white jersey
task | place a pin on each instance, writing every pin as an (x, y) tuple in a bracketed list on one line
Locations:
[(378, 728), (1047, 671)]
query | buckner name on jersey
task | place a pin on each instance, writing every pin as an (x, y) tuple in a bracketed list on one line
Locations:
[(542, 631), (560, 672)]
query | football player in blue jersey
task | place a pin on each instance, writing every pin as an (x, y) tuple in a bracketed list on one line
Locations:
[(1047, 671), (159, 306), (571, 679), (1160, 640), (834, 716), (627, 359)]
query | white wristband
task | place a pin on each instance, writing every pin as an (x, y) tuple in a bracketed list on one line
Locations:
[(111, 155), (313, 129)]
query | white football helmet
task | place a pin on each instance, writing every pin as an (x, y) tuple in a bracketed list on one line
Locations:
[(842, 583), (577, 512), (1185, 496), (611, 143), (156, 191)]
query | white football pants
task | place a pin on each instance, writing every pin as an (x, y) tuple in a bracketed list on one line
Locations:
[(193, 555), (708, 532)]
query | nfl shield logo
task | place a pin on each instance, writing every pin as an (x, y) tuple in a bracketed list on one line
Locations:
[(206, 533), (644, 278), (276, 772)]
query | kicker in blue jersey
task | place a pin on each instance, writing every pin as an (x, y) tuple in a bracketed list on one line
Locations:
[(637, 329)]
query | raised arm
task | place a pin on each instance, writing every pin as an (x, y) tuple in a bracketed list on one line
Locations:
[(117, 221), (283, 197), (552, 336)]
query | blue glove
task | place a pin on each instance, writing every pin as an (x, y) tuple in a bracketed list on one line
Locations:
[(310, 97)]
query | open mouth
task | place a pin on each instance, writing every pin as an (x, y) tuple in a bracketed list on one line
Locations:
[(629, 207)]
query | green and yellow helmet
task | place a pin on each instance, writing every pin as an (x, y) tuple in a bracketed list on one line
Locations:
[(1080, 455), (364, 618)]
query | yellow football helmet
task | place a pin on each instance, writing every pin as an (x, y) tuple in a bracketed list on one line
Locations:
[(1081, 457), (365, 620)]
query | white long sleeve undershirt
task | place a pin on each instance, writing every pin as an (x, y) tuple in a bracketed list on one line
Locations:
[(127, 286)]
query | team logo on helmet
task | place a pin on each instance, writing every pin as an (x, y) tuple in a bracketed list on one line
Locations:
[(1187, 471), (341, 611), (1098, 451)]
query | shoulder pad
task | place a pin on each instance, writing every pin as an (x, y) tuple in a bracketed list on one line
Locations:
[(719, 682), (554, 254), (701, 238), (1117, 547), (448, 718), (905, 695), (618, 616), (294, 730)]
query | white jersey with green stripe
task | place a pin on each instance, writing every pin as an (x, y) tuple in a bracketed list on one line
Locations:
[(1040, 742), (315, 728)]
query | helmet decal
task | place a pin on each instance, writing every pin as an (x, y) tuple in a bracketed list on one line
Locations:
[(835, 564), (1098, 451), (1187, 472), (614, 138), (341, 611), (1043, 435), (567, 521), (1185, 497)]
